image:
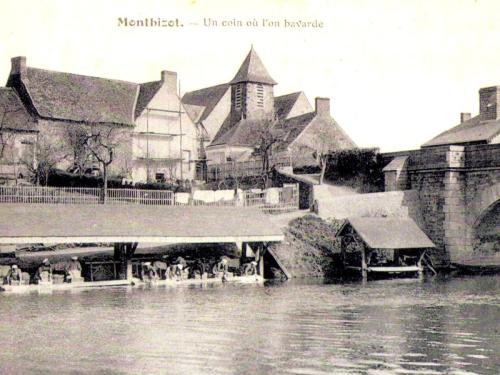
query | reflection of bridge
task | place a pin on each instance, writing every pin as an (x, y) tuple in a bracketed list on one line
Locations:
[(459, 197), (125, 226)]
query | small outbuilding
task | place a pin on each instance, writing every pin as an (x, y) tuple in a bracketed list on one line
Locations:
[(381, 245)]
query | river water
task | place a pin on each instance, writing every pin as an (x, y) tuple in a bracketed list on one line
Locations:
[(384, 327)]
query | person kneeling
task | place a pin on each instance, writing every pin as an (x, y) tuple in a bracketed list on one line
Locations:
[(44, 272), (74, 271), (14, 277)]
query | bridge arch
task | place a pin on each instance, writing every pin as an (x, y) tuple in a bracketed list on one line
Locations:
[(485, 212), (483, 201)]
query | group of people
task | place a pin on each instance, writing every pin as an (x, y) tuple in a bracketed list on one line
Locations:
[(162, 270), (45, 271)]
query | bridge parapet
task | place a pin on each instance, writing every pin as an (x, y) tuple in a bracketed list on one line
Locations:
[(442, 157), (482, 156)]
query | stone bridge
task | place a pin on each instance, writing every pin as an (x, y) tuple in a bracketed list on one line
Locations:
[(458, 191)]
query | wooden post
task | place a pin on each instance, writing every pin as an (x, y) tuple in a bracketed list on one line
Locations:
[(364, 271), (122, 255), (259, 257), (419, 265)]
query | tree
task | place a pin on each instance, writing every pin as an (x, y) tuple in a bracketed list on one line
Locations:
[(101, 142), (76, 138), (48, 151), (324, 144), (268, 134)]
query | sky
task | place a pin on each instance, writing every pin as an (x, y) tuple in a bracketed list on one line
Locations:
[(397, 72)]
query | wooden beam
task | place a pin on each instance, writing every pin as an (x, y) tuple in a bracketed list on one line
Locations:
[(278, 262), (131, 239), (394, 269)]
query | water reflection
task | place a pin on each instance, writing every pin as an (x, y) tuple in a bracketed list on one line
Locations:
[(399, 327)]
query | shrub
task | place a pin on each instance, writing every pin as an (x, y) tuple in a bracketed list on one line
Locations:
[(310, 248), (357, 168), (59, 178)]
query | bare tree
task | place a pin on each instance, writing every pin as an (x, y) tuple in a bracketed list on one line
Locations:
[(268, 135), (76, 138), (48, 151), (102, 143), (325, 142)]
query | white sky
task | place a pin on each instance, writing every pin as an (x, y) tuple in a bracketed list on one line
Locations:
[(397, 72)]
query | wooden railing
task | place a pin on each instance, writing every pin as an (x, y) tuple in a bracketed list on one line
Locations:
[(268, 200), (250, 168), (77, 195)]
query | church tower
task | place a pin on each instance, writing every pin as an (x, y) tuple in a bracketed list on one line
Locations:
[(252, 93)]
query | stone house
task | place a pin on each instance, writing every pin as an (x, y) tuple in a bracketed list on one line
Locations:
[(18, 135), (230, 114), (157, 140)]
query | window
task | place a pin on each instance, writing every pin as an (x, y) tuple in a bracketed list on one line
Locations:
[(238, 96), (160, 177), (260, 95)]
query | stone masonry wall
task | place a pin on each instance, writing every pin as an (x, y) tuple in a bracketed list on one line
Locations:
[(430, 187)]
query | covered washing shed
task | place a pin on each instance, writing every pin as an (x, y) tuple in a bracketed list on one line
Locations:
[(372, 245)]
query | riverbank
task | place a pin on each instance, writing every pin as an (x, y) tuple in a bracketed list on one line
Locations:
[(310, 248)]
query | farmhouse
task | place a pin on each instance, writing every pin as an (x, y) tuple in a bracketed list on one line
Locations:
[(155, 138)]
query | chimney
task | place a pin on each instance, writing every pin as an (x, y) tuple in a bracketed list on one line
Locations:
[(489, 103), (170, 78), (322, 107), (464, 116), (18, 66)]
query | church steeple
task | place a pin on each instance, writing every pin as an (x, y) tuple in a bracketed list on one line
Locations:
[(252, 94), (253, 70)]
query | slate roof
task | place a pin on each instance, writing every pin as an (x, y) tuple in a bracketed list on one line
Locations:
[(146, 93), (13, 113), (283, 104), (194, 112), (253, 70), (294, 126), (207, 98), (74, 97), (396, 164), (471, 131), (390, 233), (241, 134)]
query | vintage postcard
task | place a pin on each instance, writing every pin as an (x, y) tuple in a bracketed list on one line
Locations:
[(249, 187)]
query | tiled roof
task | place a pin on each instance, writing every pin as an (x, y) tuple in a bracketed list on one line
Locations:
[(390, 233), (13, 114), (253, 70), (283, 104), (74, 97), (471, 131), (207, 98), (146, 92)]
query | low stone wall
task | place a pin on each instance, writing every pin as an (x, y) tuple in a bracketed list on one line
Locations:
[(392, 204)]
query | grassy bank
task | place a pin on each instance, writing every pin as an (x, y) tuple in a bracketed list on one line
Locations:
[(310, 248)]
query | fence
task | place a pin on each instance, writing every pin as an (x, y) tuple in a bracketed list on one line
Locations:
[(274, 200), (269, 200), (57, 195), (250, 168)]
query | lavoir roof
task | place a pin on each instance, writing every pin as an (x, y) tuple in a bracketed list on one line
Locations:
[(121, 224)]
